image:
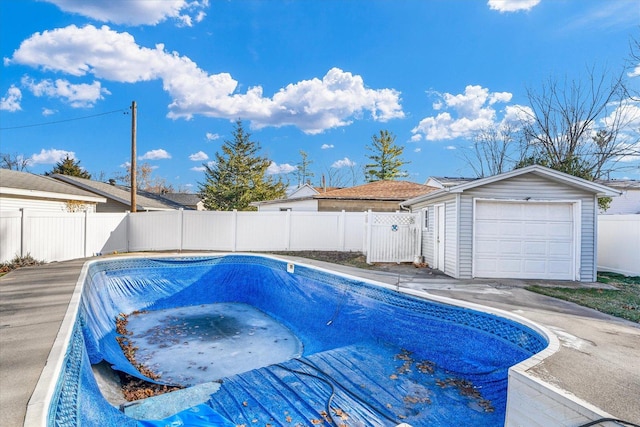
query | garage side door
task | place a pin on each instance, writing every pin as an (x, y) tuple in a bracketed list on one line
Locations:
[(532, 240)]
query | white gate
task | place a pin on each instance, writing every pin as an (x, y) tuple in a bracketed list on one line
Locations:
[(393, 236)]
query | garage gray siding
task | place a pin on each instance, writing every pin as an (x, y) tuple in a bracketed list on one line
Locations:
[(451, 239), (534, 187), (466, 237)]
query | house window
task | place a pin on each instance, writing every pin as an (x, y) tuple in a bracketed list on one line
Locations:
[(425, 212)]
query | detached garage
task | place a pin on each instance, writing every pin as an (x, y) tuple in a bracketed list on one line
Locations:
[(530, 223)]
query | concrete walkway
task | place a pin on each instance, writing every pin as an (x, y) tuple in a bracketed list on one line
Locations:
[(599, 359), (33, 302)]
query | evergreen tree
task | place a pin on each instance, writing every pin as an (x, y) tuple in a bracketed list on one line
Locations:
[(386, 158), (71, 167), (238, 175)]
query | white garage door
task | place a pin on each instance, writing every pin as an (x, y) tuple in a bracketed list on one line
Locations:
[(532, 240)]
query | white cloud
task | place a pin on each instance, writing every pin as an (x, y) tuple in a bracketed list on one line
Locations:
[(417, 150), (199, 156), (137, 12), (450, 147), (514, 115), (48, 112), (326, 146), (609, 15), (212, 136), (346, 162), (465, 114), (203, 168), (627, 116), (274, 168), (635, 72), (155, 155), (51, 156), (312, 105), (512, 5), (316, 105), (11, 101), (77, 95)]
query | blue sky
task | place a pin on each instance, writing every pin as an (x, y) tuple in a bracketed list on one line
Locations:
[(318, 76)]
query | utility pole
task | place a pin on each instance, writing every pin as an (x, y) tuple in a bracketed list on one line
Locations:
[(134, 167)]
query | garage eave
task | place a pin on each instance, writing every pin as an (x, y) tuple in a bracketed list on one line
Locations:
[(590, 186), (598, 190)]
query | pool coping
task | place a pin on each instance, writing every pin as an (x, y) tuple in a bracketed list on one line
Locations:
[(37, 408)]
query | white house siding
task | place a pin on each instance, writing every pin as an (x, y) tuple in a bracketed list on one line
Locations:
[(310, 205), (112, 206), (627, 203), (534, 187), (16, 203)]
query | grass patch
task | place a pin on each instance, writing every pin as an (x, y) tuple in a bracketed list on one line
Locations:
[(623, 302)]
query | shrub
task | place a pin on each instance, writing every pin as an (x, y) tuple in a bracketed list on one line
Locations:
[(19, 261)]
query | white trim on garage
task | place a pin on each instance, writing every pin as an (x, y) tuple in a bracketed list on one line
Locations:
[(548, 259)]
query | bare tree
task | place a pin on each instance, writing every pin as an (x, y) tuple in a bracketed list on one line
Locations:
[(145, 181), (495, 150), (335, 177), (582, 127), (303, 172), (14, 162)]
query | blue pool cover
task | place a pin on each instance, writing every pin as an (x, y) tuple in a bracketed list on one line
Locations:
[(369, 356)]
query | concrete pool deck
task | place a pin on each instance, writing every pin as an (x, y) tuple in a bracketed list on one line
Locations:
[(598, 361)]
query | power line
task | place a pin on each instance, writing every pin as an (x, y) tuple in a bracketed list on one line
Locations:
[(65, 120)]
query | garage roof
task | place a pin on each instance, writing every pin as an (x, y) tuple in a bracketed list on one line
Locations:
[(590, 186)]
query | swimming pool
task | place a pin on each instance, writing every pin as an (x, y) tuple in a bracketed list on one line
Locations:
[(341, 350)]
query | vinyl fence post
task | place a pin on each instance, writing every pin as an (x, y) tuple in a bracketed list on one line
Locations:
[(86, 232), (22, 231), (128, 229), (369, 223), (181, 216), (341, 230), (234, 232), (287, 231)]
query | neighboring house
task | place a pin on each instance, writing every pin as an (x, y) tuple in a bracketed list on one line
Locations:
[(529, 223), (628, 202), (23, 190), (118, 198), (300, 199), (446, 181), (188, 200), (379, 196)]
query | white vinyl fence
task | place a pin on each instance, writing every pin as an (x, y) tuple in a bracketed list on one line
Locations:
[(58, 236), (383, 237), (52, 236), (619, 244)]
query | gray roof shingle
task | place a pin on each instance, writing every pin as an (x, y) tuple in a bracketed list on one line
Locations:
[(144, 200), (17, 180)]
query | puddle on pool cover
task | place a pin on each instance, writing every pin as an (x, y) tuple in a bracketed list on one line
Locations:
[(197, 344)]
